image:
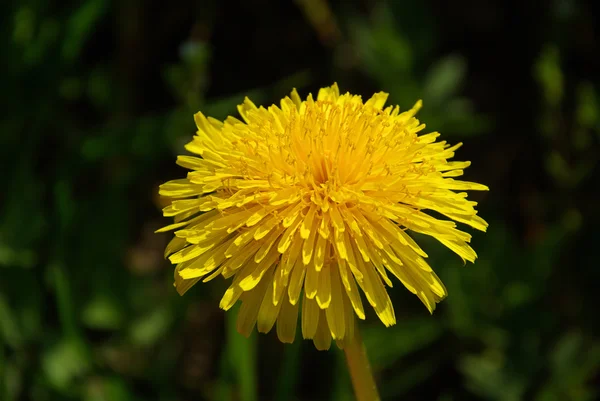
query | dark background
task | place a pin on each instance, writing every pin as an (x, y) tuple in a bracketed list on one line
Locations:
[(97, 101)]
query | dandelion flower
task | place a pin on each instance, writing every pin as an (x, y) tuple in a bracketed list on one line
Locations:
[(308, 204)]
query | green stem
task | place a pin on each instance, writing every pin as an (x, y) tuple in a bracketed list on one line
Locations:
[(64, 301), (359, 368), (242, 359), (3, 372), (288, 376)]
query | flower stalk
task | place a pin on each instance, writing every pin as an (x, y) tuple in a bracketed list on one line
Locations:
[(359, 368)]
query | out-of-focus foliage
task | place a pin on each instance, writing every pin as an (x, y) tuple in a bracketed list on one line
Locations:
[(98, 98)]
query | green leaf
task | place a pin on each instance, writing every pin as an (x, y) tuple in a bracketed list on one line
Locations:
[(401, 340), (11, 378), (9, 325), (241, 356), (64, 362), (407, 379), (444, 79), (342, 385), (588, 109), (149, 329), (107, 389), (80, 25), (488, 377), (548, 73), (289, 373), (103, 311)]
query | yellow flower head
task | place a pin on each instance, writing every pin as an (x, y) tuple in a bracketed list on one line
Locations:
[(313, 200)]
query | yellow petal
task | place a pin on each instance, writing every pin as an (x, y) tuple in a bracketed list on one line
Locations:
[(399, 271), (377, 295), (230, 297), (295, 98), (310, 317), (251, 301), (290, 217), (320, 251), (308, 247), (174, 245), (349, 321), (290, 257), (460, 248), (246, 108), (265, 228), (311, 283), (180, 189), (377, 100), (280, 284), (267, 313), (336, 219), (324, 289), (255, 277), (193, 163), (240, 242), (335, 312), (171, 227), (181, 285), (353, 295), (296, 282), (287, 322), (307, 224), (287, 236), (267, 246), (330, 93), (322, 338), (241, 257)]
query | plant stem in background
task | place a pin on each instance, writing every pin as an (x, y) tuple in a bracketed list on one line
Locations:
[(242, 360), (288, 375), (359, 368), (64, 301)]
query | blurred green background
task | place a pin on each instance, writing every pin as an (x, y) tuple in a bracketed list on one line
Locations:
[(97, 101)]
